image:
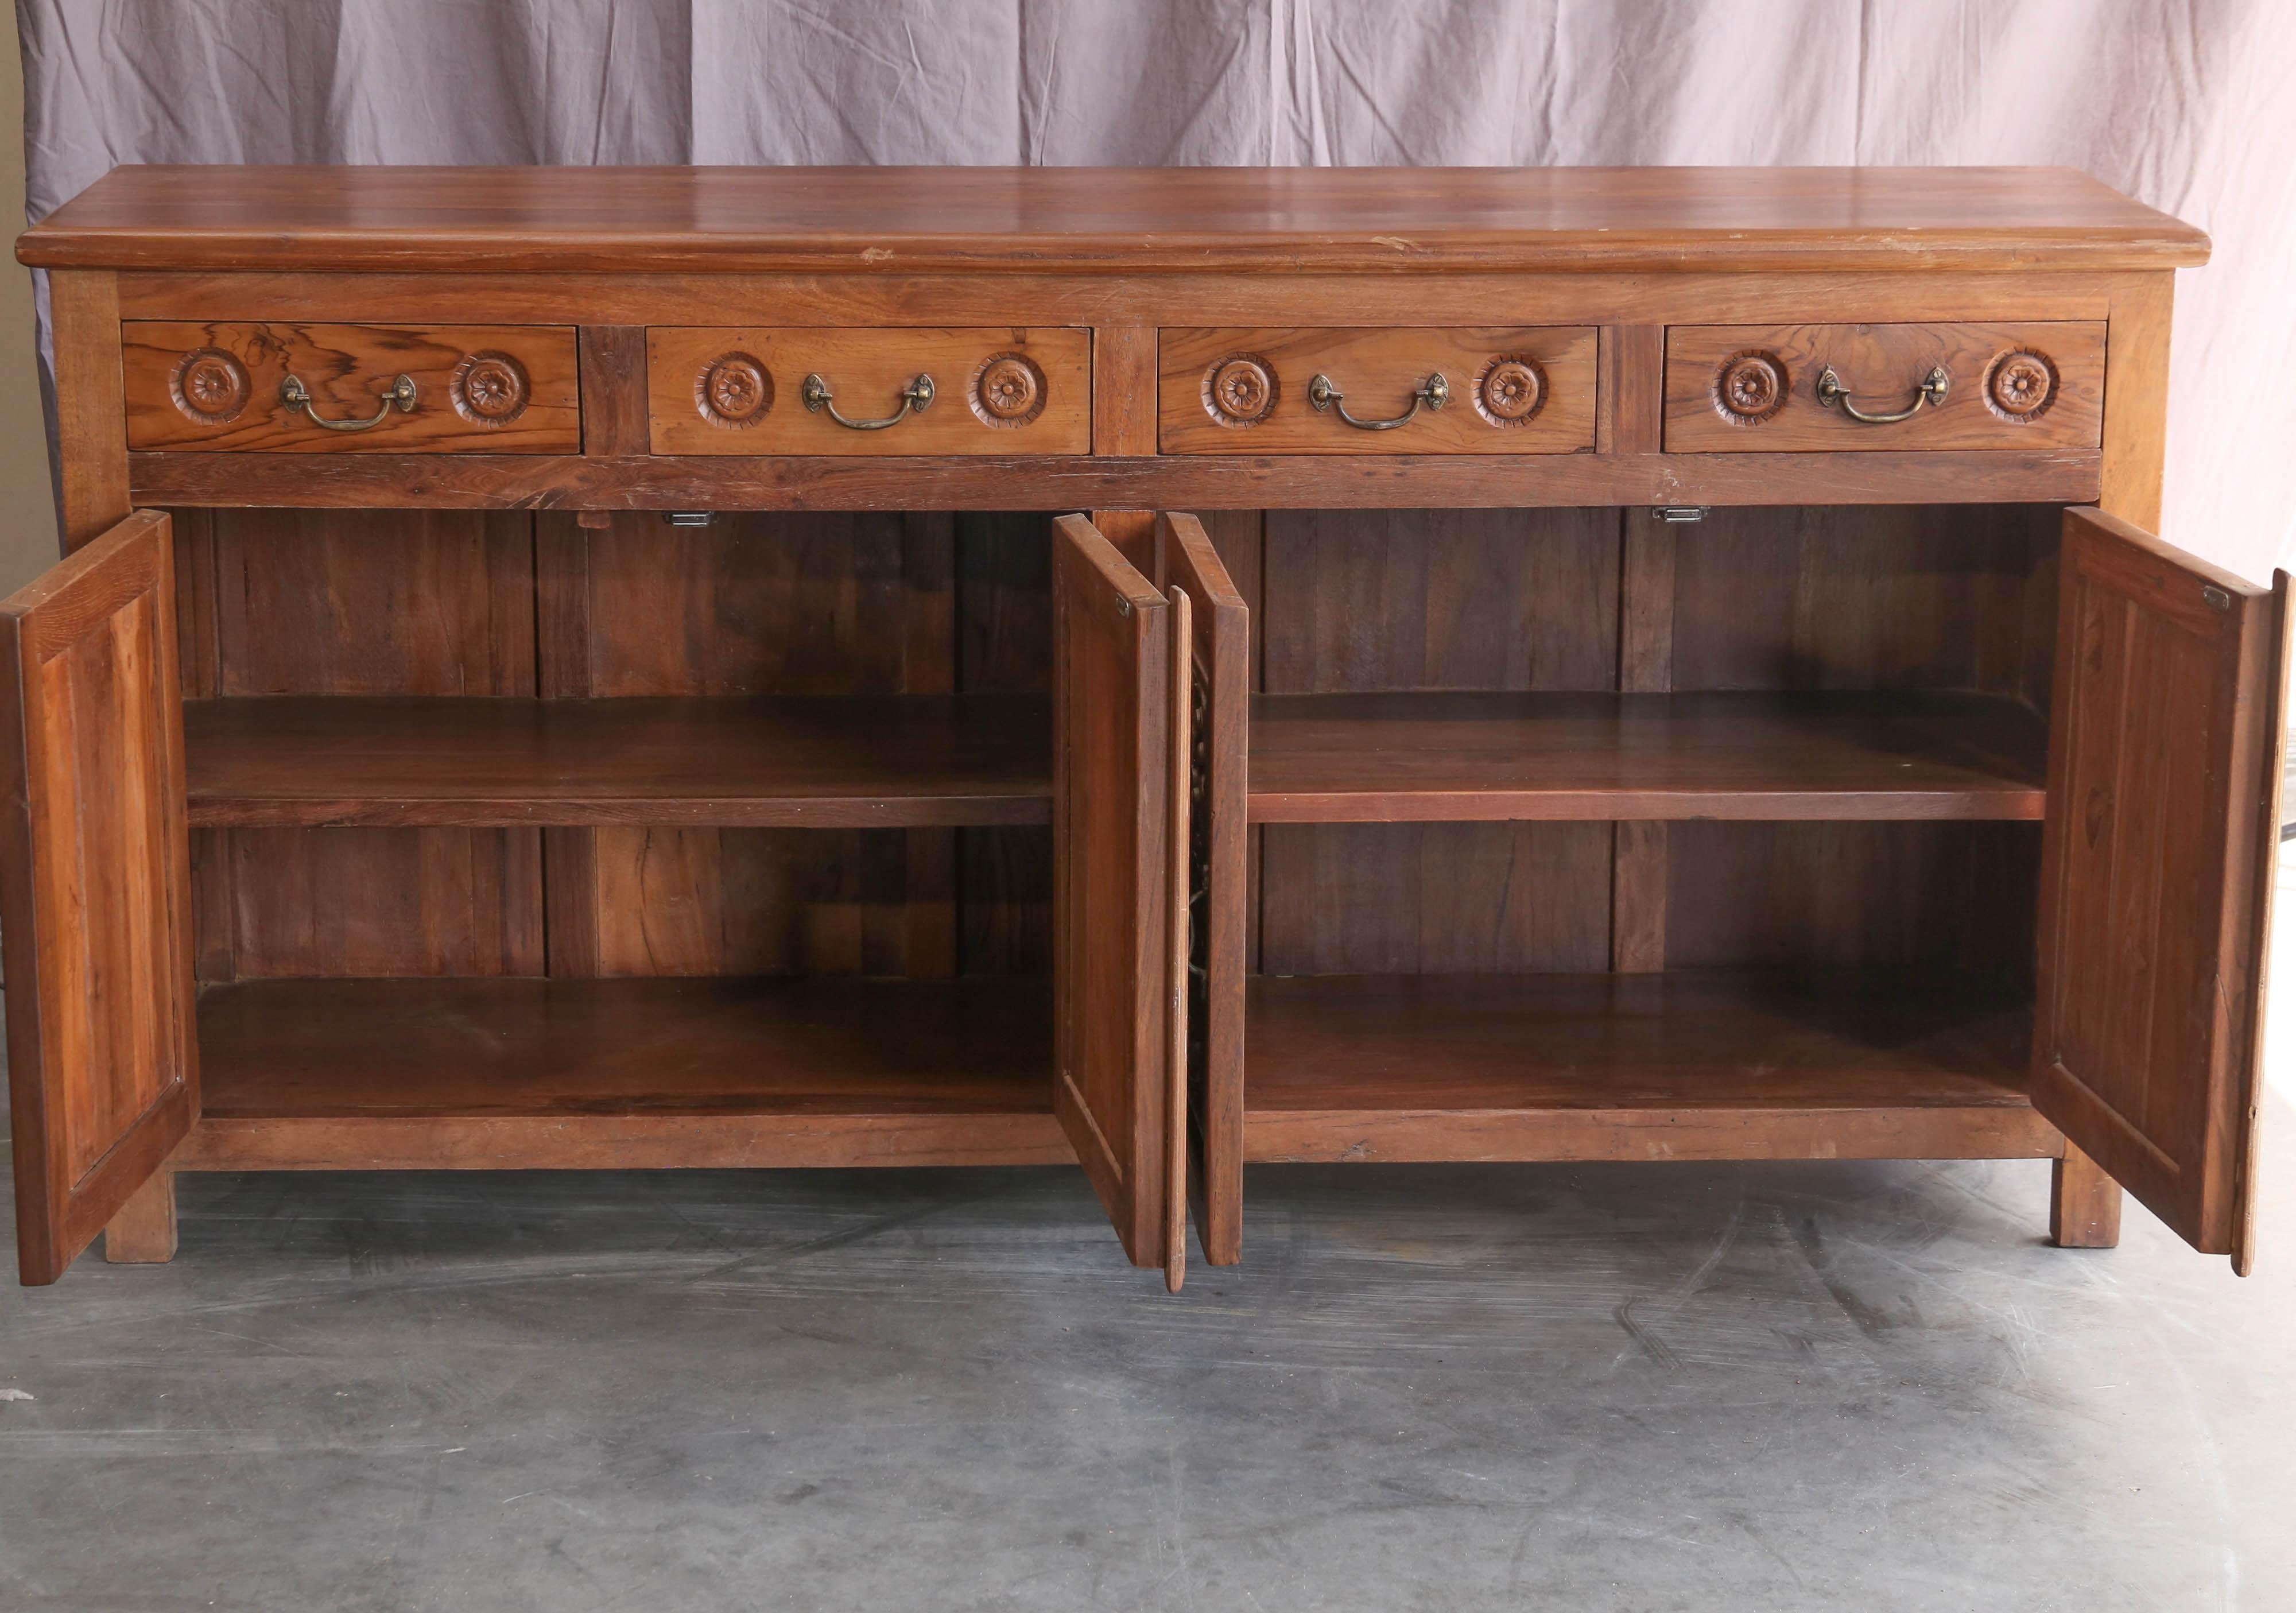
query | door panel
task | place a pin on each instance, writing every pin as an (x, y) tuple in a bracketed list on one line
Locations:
[(1179, 775), (2164, 764), (94, 881), (1218, 673), (1112, 779)]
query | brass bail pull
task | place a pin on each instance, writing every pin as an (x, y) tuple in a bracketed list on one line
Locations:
[(916, 397), (297, 397), (1431, 393), (1831, 393)]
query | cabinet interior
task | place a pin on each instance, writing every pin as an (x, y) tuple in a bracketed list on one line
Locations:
[(1766, 792), (1553, 811), (780, 790)]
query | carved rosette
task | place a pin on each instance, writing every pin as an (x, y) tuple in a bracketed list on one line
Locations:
[(1750, 388), (2021, 385), (1007, 391), (1510, 390), (210, 386), (1239, 390), (735, 391), (490, 389)]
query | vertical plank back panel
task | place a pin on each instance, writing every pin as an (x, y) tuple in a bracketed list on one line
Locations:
[(754, 603), (1440, 598), (1437, 599), (1860, 597), (1004, 643), (364, 602), (1864, 597)]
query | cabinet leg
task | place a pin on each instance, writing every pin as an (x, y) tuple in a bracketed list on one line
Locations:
[(144, 1231), (2084, 1204)]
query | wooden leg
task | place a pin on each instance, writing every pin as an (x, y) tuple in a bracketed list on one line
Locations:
[(2084, 1204), (144, 1231)]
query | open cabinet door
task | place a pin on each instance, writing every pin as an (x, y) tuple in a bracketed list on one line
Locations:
[(95, 889), (1112, 920), (1216, 670), (2157, 863)]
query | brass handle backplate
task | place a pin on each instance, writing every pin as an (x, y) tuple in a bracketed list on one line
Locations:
[(916, 397), (1433, 393), (1934, 385), (297, 397)]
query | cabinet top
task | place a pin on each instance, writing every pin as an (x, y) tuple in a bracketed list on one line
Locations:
[(920, 220)]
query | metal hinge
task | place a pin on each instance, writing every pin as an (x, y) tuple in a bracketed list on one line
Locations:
[(1679, 515), (690, 518)]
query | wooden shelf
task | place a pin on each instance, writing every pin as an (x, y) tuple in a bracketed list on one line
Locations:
[(506, 1073), (1461, 757), (896, 761), (909, 761), (1691, 1065)]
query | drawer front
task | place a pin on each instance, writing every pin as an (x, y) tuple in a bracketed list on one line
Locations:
[(1511, 389), (473, 389), (993, 390), (1763, 389)]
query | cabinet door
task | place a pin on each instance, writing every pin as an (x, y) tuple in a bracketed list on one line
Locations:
[(1113, 1038), (1218, 671), (95, 889), (2157, 863)]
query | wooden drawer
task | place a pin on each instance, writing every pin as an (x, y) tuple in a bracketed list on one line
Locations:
[(993, 390), (1757, 388), (1511, 389), (474, 389)]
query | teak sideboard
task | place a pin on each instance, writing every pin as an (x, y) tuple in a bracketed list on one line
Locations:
[(561, 667)]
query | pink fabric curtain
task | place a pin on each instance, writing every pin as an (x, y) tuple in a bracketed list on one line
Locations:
[(2180, 103)]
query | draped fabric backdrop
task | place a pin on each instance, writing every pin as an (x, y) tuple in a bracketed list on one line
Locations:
[(2179, 103)]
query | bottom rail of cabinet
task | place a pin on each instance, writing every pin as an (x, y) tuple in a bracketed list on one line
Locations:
[(783, 1141)]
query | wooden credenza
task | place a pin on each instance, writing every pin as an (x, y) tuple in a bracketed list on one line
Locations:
[(574, 668)]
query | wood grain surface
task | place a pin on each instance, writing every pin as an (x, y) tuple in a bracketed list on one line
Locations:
[(1262, 221), (1881, 367), (1111, 654), (725, 1072), (1378, 370), (1217, 672), (866, 372), (1810, 1063), (96, 911), (2165, 758), (822, 762), (1457, 758), (348, 370), (1203, 482)]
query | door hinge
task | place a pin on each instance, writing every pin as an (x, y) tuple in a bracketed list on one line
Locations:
[(1679, 515), (690, 518)]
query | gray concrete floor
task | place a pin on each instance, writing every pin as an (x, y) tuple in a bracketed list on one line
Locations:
[(1622, 1387)]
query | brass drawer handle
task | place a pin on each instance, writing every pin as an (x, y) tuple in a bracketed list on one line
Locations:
[(1433, 395), (1831, 391), (297, 397), (916, 397)]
